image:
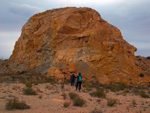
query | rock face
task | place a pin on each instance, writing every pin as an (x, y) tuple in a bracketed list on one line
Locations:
[(61, 41)]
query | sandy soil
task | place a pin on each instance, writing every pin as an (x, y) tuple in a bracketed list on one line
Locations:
[(50, 100)]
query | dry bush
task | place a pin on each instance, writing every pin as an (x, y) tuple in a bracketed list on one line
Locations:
[(28, 84), (78, 101), (133, 102), (67, 104), (73, 95), (64, 95), (29, 91), (111, 102), (143, 94), (98, 93), (15, 104)]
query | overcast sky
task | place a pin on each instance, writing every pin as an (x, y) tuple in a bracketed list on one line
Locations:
[(132, 17)]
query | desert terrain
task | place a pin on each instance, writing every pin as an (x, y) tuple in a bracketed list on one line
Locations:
[(50, 98)]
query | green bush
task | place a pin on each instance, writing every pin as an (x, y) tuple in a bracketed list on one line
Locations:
[(111, 102), (98, 93), (29, 91), (67, 104), (73, 95), (15, 104), (78, 101), (143, 94)]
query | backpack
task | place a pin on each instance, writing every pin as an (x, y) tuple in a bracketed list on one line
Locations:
[(80, 78)]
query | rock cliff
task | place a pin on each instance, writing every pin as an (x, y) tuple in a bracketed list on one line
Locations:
[(61, 41)]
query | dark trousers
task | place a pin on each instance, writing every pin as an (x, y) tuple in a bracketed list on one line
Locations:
[(78, 83), (72, 82)]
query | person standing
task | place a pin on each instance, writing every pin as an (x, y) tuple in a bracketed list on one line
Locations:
[(79, 82), (72, 79)]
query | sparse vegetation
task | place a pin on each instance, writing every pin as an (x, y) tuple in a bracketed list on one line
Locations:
[(73, 95), (15, 104), (98, 93), (29, 91), (67, 104), (111, 102), (143, 94), (78, 101)]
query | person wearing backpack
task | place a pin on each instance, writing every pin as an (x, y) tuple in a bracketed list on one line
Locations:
[(79, 82), (72, 79)]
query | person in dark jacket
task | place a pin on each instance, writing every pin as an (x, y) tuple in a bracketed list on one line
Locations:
[(72, 79), (79, 82)]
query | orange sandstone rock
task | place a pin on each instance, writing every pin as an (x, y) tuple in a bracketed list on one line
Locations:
[(60, 41)]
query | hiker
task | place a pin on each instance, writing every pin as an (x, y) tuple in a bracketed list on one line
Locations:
[(72, 79), (79, 81)]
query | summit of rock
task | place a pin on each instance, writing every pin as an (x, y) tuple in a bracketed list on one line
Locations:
[(61, 41)]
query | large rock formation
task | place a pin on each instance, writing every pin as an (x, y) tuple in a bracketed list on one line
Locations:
[(60, 41)]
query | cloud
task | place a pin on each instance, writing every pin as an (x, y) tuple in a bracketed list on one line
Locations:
[(24, 9), (85, 2)]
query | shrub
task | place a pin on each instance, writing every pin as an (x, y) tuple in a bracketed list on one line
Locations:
[(73, 95), (64, 95), (28, 84), (148, 57), (15, 104), (96, 111), (78, 101), (98, 93), (66, 104), (116, 86), (62, 85), (143, 94), (141, 75), (149, 91), (136, 91), (126, 91), (40, 96), (111, 102), (51, 81), (133, 102), (89, 86), (29, 91)]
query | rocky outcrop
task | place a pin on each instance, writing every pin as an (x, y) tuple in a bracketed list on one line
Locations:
[(61, 41)]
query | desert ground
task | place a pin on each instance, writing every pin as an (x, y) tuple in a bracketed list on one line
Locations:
[(49, 99)]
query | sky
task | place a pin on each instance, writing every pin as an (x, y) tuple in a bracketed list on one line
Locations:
[(132, 17)]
